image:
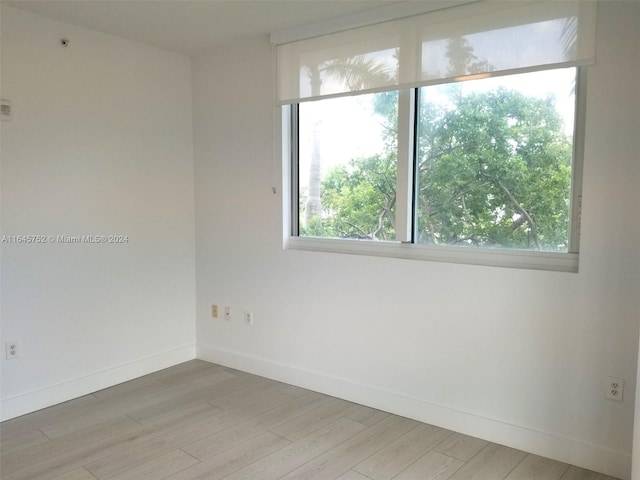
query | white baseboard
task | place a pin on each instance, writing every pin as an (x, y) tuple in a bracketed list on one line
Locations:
[(52, 395), (563, 449)]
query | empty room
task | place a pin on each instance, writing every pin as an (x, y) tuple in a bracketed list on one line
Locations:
[(319, 239)]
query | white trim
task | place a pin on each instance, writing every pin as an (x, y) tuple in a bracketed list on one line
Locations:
[(556, 262), (289, 170), (586, 455), (373, 16), (62, 392), (577, 165), (405, 163)]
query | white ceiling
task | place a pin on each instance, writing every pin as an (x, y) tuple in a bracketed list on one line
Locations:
[(193, 26)]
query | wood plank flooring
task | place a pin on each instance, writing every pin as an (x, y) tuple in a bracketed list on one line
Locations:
[(203, 421)]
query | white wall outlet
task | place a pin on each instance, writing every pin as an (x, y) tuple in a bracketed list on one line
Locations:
[(248, 317), (214, 311), (227, 314), (12, 350), (615, 388)]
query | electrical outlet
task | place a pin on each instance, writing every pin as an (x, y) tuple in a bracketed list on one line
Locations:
[(615, 388), (248, 317), (227, 314), (214, 311), (12, 350)]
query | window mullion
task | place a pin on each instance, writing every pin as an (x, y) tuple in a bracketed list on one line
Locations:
[(405, 165), (292, 126)]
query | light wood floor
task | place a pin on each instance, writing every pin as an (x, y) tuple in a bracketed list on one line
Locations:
[(203, 421)]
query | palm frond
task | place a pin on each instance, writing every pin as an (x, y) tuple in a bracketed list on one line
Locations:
[(359, 72)]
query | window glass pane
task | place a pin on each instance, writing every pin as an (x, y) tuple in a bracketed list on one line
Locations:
[(347, 167), (494, 162)]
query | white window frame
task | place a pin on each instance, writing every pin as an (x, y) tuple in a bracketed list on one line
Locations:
[(403, 248), (398, 24)]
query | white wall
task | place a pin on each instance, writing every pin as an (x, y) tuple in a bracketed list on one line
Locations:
[(635, 459), (100, 143), (519, 357)]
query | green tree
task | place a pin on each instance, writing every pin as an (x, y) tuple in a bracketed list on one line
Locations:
[(493, 170)]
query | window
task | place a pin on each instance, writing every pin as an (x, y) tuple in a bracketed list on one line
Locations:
[(494, 161), (442, 136), (348, 167)]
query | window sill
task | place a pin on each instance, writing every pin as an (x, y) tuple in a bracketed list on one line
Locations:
[(550, 261)]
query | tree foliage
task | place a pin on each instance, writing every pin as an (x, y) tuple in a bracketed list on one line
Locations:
[(493, 170)]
